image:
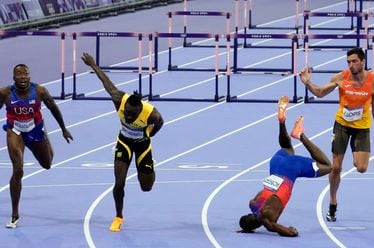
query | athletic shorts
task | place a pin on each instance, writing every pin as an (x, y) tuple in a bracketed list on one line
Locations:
[(125, 149), (359, 139), (35, 135)]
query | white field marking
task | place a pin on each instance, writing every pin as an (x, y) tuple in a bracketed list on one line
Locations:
[(320, 212), (202, 181), (344, 228), (204, 213)]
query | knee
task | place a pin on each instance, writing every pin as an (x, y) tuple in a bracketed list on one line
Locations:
[(361, 169), (46, 165), (146, 188), (17, 173), (336, 170)]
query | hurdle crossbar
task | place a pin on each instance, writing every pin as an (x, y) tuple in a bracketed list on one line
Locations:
[(292, 37), (216, 97), (334, 37), (170, 36), (248, 5), (62, 35), (197, 13), (292, 72), (313, 99), (100, 35), (82, 96)]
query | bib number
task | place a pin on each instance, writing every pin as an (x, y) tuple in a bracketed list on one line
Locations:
[(131, 133), (352, 114), (24, 126), (272, 182)]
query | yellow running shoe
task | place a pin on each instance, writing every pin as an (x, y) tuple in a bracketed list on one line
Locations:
[(282, 105), (298, 128), (116, 224)]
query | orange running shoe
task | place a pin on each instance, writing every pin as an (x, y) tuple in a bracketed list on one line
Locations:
[(282, 105), (298, 128), (116, 224)]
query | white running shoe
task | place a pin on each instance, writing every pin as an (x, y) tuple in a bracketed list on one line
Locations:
[(12, 222)]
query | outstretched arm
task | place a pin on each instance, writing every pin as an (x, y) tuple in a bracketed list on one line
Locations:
[(270, 214), (112, 90), (305, 77), (51, 105)]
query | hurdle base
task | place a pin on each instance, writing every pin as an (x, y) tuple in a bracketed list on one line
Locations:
[(175, 99), (176, 68), (313, 99), (63, 96), (236, 99)]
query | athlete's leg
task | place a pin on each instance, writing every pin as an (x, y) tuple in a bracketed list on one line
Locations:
[(16, 149), (334, 177), (360, 145), (284, 138), (361, 161), (120, 174), (43, 152), (323, 163)]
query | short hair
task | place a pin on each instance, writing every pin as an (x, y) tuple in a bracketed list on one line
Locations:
[(357, 50), (23, 65), (135, 99), (249, 223)]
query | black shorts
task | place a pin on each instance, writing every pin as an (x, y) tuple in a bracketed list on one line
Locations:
[(359, 139), (125, 149)]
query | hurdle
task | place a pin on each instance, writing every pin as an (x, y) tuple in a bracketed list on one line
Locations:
[(100, 35), (358, 17), (248, 7), (290, 72), (82, 96), (312, 99), (197, 13), (333, 37), (285, 71), (62, 35), (170, 36), (158, 97)]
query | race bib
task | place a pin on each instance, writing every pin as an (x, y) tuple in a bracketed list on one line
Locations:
[(24, 126), (132, 133), (272, 182), (352, 114)]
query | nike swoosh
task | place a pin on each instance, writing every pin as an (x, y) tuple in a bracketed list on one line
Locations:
[(13, 102)]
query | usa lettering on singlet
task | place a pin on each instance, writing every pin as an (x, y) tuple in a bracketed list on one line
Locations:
[(352, 114), (272, 182), (132, 133)]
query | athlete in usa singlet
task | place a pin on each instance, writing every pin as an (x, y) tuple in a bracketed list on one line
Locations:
[(284, 170), (24, 115)]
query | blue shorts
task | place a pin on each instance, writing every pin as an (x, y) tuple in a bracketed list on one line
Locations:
[(291, 166), (35, 135)]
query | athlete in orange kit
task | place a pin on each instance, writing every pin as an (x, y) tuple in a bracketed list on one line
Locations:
[(353, 118)]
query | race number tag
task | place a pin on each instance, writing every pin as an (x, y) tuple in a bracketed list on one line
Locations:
[(272, 182), (24, 126), (132, 133), (352, 114)]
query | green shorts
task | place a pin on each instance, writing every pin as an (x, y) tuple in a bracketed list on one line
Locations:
[(359, 139)]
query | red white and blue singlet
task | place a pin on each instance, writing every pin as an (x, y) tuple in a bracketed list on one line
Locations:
[(24, 115), (284, 170)]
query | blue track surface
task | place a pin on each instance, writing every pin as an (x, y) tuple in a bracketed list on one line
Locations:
[(210, 157)]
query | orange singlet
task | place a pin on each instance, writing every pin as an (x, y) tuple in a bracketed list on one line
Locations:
[(354, 103)]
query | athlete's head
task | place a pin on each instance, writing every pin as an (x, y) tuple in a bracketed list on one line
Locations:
[(21, 76), (133, 107), (249, 223), (356, 60)]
